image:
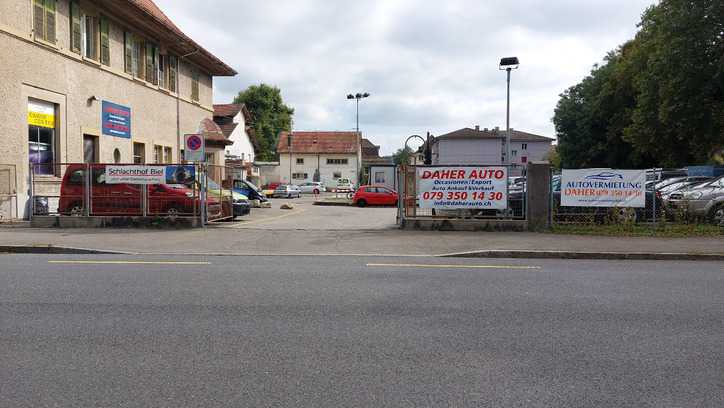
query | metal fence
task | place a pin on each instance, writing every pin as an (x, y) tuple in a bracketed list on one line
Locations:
[(409, 206), (8, 192), (80, 189)]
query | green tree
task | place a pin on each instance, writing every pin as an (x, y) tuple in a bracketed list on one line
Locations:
[(270, 116), (658, 100), (402, 156)]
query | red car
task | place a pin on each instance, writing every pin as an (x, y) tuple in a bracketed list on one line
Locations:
[(125, 199), (374, 195)]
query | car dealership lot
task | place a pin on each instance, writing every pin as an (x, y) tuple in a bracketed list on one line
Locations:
[(307, 216)]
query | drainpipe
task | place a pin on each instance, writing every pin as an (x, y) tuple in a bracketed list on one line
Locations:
[(178, 102)]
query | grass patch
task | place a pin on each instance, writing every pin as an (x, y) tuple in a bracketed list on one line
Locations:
[(641, 230)]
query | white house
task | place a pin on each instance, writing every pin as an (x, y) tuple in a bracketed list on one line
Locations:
[(319, 156), (233, 119), (487, 146)]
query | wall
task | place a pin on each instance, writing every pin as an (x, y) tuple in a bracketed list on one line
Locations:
[(326, 171), (536, 150), (54, 74), (390, 179), (467, 151), (242, 146)]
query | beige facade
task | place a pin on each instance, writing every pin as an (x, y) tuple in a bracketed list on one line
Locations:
[(52, 72)]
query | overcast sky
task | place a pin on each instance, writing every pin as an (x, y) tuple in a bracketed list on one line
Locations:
[(429, 65)]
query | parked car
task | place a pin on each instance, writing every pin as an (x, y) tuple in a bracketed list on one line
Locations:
[(287, 191), (705, 201), (268, 189), (374, 195), (125, 199), (312, 187), (248, 189)]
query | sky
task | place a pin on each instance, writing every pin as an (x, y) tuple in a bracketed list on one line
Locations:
[(430, 66)]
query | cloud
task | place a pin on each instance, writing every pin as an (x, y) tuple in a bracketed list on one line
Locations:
[(429, 65)]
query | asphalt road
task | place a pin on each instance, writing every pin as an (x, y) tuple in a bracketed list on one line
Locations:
[(359, 332), (309, 217)]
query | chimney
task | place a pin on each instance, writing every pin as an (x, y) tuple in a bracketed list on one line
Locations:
[(485, 130), (477, 128)]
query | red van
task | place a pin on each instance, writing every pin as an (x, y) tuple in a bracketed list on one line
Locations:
[(125, 199)]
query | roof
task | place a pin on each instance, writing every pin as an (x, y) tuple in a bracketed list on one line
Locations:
[(516, 135), (228, 109), (213, 133), (367, 144), (320, 142), (146, 15)]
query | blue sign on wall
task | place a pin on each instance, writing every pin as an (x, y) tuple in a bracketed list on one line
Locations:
[(116, 120)]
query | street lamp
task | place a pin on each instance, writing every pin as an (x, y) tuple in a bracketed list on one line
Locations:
[(508, 64), (289, 145), (357, 97)]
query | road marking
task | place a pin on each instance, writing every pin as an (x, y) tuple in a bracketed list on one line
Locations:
[(245, 223), (130, 262), (442, 266)]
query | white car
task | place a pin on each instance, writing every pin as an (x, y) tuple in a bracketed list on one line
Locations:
[(313, 187), (287, 191)]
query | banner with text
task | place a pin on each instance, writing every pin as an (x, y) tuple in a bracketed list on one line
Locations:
[(174, 174), (603, 188), (468, 187)]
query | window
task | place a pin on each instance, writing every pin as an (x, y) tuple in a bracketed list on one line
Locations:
[(91, 37), (116, 156), (167, 155), (44, 20), (41, 136), (380, 177), (300, 161), (337, 175), (172, 72), (524, 146), (128, 53), (299, 176), (105, 41), (194, 85), (158, 154), (210, 158), (151, 63), (139, 153), (76, 30), (513, 153), (90, 149), (337, 161), (162, 62)]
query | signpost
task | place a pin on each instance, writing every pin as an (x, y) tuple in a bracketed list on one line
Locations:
[(194, 148), (603, 188), (463, 187)]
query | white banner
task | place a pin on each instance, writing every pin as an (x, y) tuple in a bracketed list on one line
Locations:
[(135, 174), (603, 188), (463, 187)]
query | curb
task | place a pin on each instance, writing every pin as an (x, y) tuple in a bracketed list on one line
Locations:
[(613, 256), (52, 249)]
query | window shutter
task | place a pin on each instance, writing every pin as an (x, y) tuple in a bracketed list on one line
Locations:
[(162, 62), (194, 86), (76, 36), (39, 19), (172, 71), (128, 40), (105, 42), (50, 21)]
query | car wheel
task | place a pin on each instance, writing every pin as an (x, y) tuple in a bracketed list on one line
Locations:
[(361, 203), (76, 209), (717, 215), (172, 213)]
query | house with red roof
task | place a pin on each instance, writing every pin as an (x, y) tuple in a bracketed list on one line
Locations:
[(323, 156)]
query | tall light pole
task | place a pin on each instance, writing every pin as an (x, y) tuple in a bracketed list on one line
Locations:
[(357, 97), (508, 64), (289, 145)]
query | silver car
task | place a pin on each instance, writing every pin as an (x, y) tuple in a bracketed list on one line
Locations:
[(287, 191), (312, 187), (705, 201)]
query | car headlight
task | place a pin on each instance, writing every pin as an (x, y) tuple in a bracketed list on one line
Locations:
[(189, 194), (694, 195)]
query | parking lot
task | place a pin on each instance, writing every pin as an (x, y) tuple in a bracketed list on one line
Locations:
[(307, 216)]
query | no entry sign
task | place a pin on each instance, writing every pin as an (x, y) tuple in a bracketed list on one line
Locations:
[(194, 148)]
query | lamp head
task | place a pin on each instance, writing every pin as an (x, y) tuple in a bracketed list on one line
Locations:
[(509, 63)]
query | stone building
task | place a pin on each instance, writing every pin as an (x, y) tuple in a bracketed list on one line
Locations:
[(110, 81)]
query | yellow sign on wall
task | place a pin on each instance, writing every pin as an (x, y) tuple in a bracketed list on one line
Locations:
[(41, 113), (41, 119)]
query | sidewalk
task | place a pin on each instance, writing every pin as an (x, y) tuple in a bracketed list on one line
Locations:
[(225, 241)]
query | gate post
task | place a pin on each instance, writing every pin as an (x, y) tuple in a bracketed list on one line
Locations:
[(538, 195)]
